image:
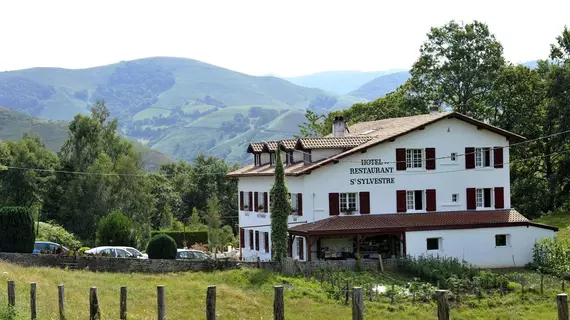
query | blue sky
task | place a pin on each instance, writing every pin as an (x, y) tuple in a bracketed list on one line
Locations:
[(286, 38)]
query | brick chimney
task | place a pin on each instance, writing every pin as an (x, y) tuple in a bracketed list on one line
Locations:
[(338, 127)]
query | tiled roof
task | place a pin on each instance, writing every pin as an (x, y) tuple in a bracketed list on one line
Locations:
[(289, 144), (255, 147), (267, 170), (415, 221), (270, 146), (331, 142)]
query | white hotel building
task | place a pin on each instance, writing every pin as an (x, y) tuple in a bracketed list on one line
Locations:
[(430, 184)]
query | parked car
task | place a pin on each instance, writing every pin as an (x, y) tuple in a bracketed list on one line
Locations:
[(116, 252), (136, 253), (191, 254), (49, 247)]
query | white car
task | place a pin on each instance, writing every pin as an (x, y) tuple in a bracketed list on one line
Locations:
[(135, 252), (116, 252)]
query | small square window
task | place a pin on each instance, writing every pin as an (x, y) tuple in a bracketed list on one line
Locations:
[(433, 243), (500, 240), (455, 198), (453, 156)]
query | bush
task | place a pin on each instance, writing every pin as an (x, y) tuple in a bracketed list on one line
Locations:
[(116, 229), (16, 230), (161, 246), (81, 251), (438, 269), (55, 233), (190, 236), (551, 256)]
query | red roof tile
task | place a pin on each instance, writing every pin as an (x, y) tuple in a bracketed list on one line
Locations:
[(414, 222), (331, 142)]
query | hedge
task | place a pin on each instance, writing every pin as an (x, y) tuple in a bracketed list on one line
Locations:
[(16, 230), (161, 246), (191, 237)]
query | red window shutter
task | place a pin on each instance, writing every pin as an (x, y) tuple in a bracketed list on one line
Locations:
[(471, 200), (300, 204), (250, 239), (266, 241), (250, 195), (469, 158), (431, 200), (265, 204), (256, 240), (364, 202), (400, 159), (430, 158), (301, 249), (499, 198), (241, 201), (498, 155), (333, 204), (401, 200), (241, 238), (255, 201)]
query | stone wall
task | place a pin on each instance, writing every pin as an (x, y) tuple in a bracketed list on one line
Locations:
[(29, 260)]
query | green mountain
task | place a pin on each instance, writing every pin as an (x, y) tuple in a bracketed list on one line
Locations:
[(341, 82), (380, 86), (13, 125), (176, 106)]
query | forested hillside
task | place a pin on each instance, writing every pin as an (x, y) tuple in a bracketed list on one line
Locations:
[(180, 107), (462, 67)]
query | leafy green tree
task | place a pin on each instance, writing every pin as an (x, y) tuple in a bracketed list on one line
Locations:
[(213, 220), (166, 199), (116, 229), (561, 49), (314, 126), (280, 210), (54, 233), (16, 230), (457, 67), (161, 246), (195, 222)]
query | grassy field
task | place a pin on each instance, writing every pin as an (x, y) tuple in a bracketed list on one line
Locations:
[(241, 294), (561, 221)]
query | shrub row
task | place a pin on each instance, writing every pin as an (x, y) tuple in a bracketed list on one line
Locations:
[(191, 237)]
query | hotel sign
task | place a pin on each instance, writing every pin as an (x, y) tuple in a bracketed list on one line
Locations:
[(372, 166)]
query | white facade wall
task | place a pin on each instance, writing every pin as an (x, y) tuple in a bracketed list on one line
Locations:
[(446, 136), (321, 154), (477, 246)]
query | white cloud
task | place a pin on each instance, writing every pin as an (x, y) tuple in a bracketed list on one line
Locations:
[(258, 37)]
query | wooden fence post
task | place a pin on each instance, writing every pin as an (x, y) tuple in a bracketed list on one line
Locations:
[(123, 311), (357, 304), (211, 303), (94, 313), (347, 292), (161, 302), (11, 293), (278, 304), (60, 294), (33, 310), (562, 303), (442, 305)]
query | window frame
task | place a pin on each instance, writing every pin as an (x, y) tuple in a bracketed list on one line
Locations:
[(455, 198), (289, 157), (480, 195), (412, 160), (260, 204), (411, 196), (480, 158), (347, 201), (293, 199), (506, 239), (257, 159), (453, 157), (246, 204), (272, 158), (439, 243)]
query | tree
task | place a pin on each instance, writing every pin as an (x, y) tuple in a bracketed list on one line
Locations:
[(161, 246), (280, 210), (116, 229), (166, 200), (313, 126), (213, 220), (457, 67), (16, 230), (561, 49)]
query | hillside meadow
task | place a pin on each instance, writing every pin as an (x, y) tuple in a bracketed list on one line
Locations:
[(241, 294)]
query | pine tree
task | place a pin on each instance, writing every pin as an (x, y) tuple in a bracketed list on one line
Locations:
[(280, 210), (213, 219)]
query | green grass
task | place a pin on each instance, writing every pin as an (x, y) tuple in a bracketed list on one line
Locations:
[(559, 220), (151, 112), (241, 294)]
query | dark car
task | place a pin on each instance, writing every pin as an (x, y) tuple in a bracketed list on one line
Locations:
[(49, 247)]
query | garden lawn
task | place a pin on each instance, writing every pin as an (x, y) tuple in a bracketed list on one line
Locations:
[(241, 294)]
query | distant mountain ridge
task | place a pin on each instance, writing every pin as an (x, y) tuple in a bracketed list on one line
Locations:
[(177, 106)]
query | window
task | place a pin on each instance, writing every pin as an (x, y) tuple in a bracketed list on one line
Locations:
[(483, 198), (453, 157), (455, 198), (257, 159), (501, 240), (272, 158), (347, 202), (294, 205), (414, 158), (433, 243), (289, 157), (246, 205), (482, 157), (260, 201), (414, 200)]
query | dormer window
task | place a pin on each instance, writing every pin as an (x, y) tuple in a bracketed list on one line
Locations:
[(257, 159), (307, 156), (272, 158)]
